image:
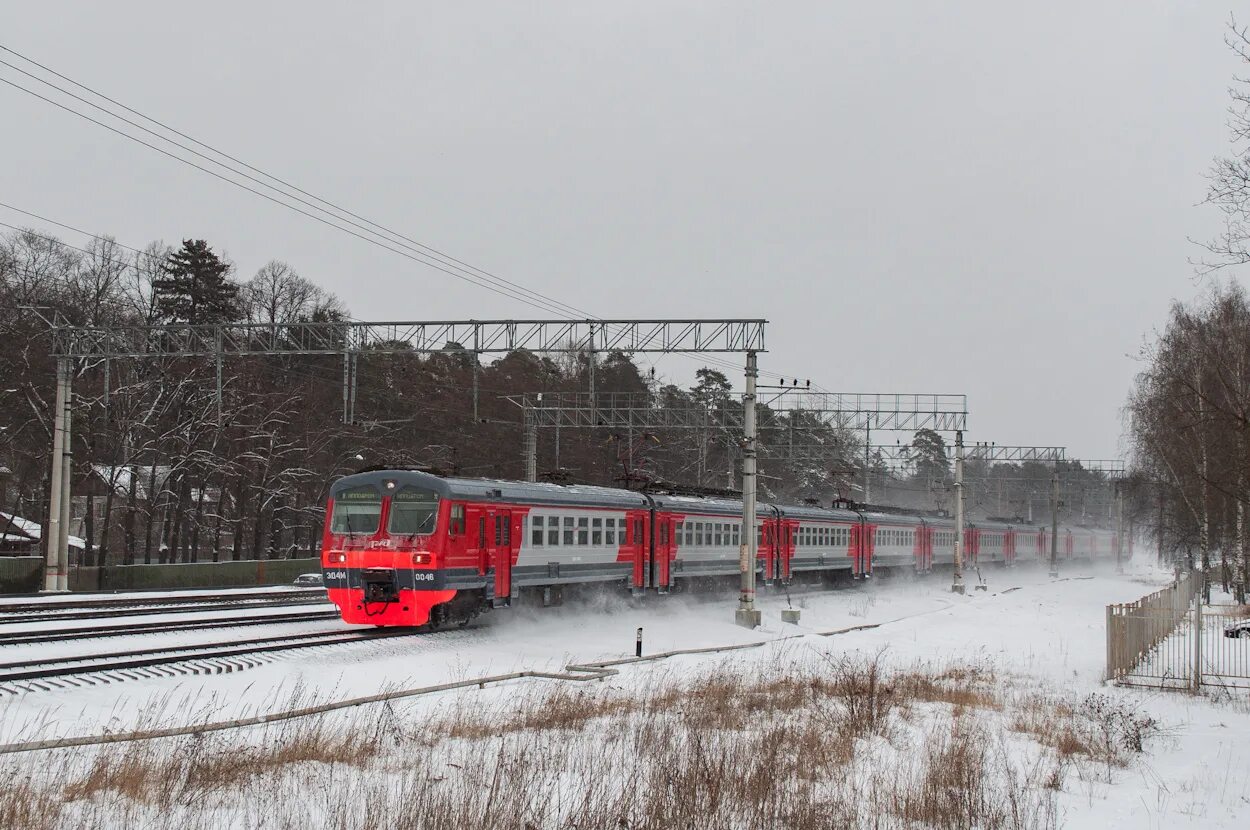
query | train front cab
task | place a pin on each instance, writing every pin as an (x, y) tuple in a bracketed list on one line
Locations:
[(382, 547)]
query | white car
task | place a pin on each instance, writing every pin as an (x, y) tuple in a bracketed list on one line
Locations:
[(1238, 629)]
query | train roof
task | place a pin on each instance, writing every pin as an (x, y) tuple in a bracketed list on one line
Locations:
[(714, 506), (541, 493), (520, 492)]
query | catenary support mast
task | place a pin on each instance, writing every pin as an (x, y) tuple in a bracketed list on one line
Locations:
[(1054, 523), (957, 583), (56, 576), (747, 615)]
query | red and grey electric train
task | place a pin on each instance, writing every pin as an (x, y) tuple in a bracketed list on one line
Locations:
[(403, 548)]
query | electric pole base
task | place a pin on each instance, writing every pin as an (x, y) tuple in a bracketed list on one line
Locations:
[(957, 588), (1054, 574), (747, 617)]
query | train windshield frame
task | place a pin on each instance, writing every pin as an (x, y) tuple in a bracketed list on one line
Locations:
[(357, 511), (414, 512)]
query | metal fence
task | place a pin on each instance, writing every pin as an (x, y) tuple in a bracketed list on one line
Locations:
[(1171, 640)]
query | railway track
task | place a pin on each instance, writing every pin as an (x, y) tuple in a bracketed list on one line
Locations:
[(51, 617), (35, 610), (99, 631), (205, 658)]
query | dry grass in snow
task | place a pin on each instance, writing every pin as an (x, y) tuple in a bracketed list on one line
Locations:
[(841, 742)]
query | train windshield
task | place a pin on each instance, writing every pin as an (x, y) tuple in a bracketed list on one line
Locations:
[(413, 511), (358, 510)]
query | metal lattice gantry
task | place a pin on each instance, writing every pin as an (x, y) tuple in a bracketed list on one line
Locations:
[(420, 337), (862, 411), (844, 411), (1110, 468), (991, 453), (351, 338)]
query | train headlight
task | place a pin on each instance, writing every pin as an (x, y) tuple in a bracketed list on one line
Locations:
[(422, 558), (336, 557)]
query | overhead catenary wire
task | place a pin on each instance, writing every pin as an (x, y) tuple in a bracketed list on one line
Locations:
[(114, 241), (341, 210), (421, 253), (419, 249), (416, 258)]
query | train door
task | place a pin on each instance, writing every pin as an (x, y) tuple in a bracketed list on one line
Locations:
[(665, 540), (789, 530), (857, 532), (862, 544), (499, 533), (766, 547), (870, 536), (476, 536), (640, 548)]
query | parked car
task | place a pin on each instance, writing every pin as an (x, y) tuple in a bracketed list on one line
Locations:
[(309, 580), (1238, 629)]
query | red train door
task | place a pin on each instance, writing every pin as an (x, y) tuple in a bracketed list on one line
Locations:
[(500, 538), (665, 541), (767, 547), (640, 548), (778, 548), (870, 534), (857, 534), (787, 552), (861, 549), (475, 537)]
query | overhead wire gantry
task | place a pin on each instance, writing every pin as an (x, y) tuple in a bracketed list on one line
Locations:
[(219, 342)]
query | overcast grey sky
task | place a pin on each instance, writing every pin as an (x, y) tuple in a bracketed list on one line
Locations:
[(981, 197)]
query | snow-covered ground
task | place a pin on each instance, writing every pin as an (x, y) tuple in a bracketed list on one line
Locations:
[(1041, 633)]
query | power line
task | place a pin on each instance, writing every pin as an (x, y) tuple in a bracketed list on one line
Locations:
[(447, 257), (421, 253), (445, 260), (322, 220), (504, 287)]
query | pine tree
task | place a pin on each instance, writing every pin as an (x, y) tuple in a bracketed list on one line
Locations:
[(195, 288), (928, 453)]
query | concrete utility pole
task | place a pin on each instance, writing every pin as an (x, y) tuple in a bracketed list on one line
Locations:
[(746, 614), (531, 446), (957, 583), (56, 534), (591, 360), (1054, 523), (868, 465)]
